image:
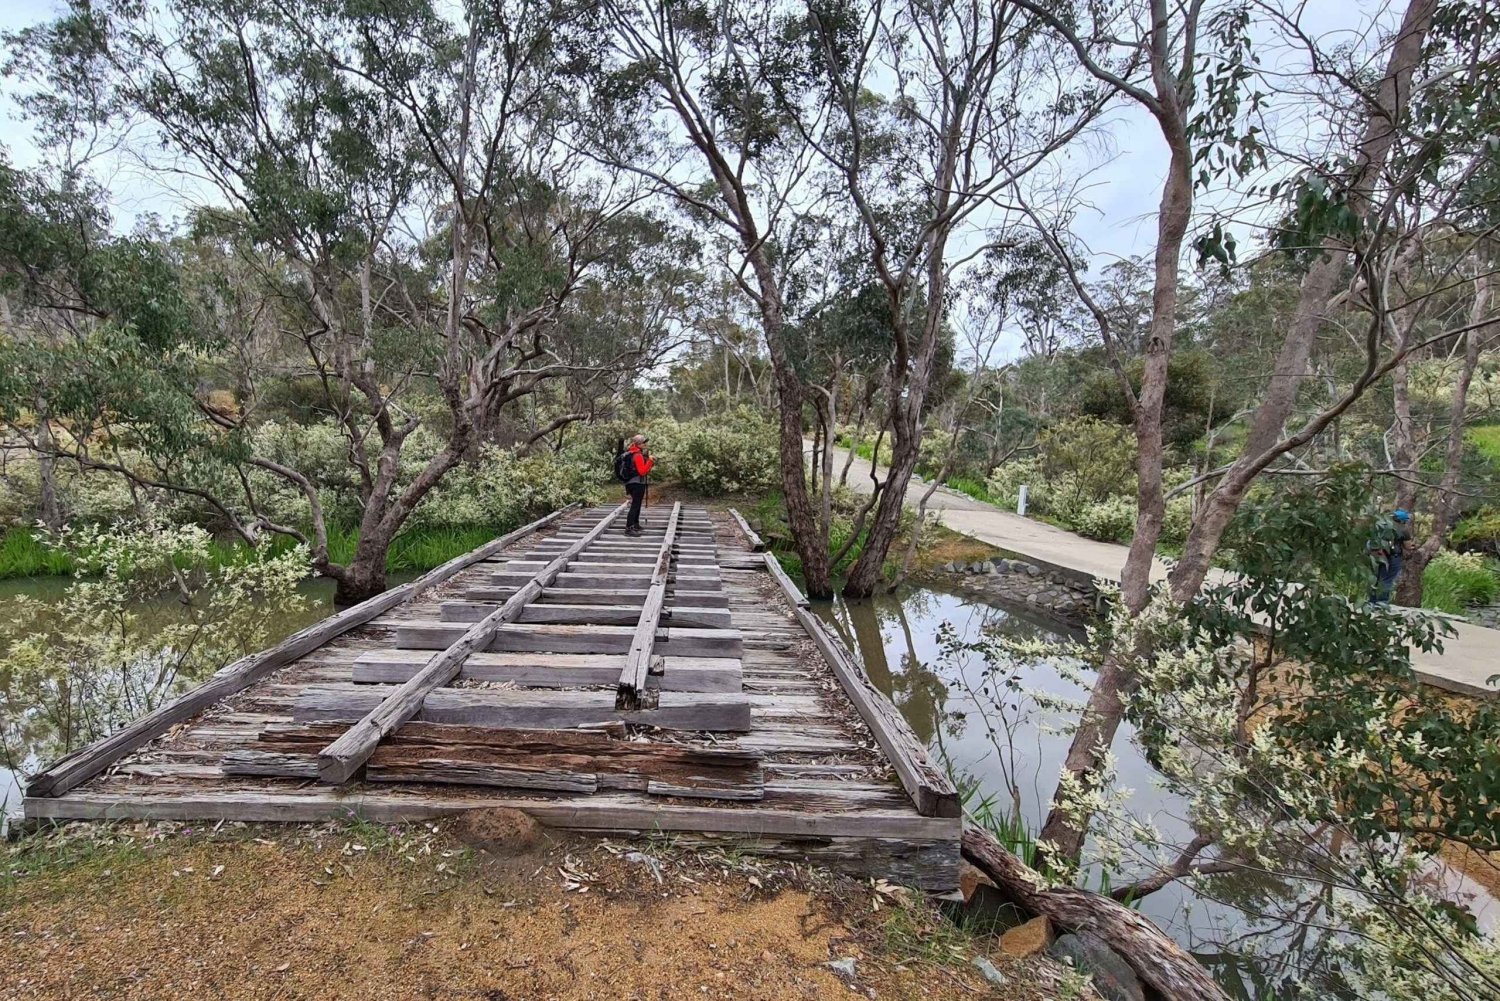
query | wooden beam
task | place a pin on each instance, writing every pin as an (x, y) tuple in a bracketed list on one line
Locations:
[(632, 685), (340, 760), (526, 708), (596, 581), (788, 586), (603, 615), (85, 763), (676, 597), (757, 544), (515, 638), (929, 787), (555, 670)]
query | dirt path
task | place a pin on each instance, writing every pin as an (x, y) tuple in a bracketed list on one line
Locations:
[(404, 913)]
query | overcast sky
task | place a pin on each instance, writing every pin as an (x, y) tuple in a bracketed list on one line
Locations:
[(1123, 188)]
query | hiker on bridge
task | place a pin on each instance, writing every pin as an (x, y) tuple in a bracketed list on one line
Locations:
[(1387, 548), (633, 467)]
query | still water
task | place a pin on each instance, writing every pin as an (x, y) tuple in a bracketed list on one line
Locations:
[(318, 604), (1241, 928)]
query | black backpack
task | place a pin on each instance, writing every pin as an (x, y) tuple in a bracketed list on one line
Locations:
[(625, 467)]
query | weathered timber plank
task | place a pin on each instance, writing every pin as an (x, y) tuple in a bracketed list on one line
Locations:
[(555, 670), (605, 811), (427, 634), (604, 596), (788, 587), (616, 558), (757, 544), (631, 688), (637, 568), (596, 581), (605, 615), (928, 786), (340, 760), (529, 708), (85, 763)]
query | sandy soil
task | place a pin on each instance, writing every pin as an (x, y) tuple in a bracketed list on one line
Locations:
[(413, 913)]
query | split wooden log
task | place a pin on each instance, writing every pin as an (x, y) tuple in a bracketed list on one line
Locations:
[(527, 708), (929, 787), (631, 689), (556, 670), (757, 544), (85, 763), (788, 586), (687, 642), (554, 760), (341, 759), (1161, 963)]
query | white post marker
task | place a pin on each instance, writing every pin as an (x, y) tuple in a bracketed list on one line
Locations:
[(1021, 500)]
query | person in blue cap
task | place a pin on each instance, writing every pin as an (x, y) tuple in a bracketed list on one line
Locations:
[(1392, 535)]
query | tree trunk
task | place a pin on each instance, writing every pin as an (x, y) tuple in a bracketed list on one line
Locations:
[(1403, 442), (1097, 726), (364, 577), (47, 471), (1445, 506), (1261, 445), (906, 445), (1161, 963)]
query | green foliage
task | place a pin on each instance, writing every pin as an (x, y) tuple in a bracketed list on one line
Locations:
[(1192, 401), (719, 455), (1109, 520), (98, 659), (1087, 459), (1453, 582), (1486, 440), (1479, 530)]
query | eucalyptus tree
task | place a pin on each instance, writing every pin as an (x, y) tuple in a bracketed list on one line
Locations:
[(686, 97), (938, 109), (418, 220)]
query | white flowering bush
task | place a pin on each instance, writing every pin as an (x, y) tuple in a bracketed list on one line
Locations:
[(733, 453), (1109, 520), (154, 609), (502, 490)]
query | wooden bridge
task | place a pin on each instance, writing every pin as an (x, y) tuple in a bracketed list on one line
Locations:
[(672, 682)]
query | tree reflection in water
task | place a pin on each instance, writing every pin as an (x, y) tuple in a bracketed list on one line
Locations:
[(1265, 936)]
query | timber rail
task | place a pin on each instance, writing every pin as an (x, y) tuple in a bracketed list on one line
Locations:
[(673, 681)]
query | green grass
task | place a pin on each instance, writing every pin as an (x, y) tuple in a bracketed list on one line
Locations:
[(1455, 581), (1486, 440), (22, 554), (973, 488)]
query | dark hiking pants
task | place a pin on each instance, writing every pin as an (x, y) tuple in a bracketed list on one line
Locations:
[(637, 492)]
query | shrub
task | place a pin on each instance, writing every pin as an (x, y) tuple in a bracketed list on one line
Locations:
[(1478, 531), (1109, 520), (1088, 459), (732, 454), (1455, 581)]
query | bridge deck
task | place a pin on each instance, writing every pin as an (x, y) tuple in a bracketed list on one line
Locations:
[(779, 756)]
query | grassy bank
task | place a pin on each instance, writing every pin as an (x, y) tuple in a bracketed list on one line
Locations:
[(24, 554)]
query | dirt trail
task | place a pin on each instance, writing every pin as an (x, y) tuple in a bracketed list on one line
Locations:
[(411, 913)]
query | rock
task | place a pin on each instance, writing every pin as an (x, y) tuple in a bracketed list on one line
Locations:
[(1031, 599), (1113, 977), (950, 567), (1028, 939), (1032, 570), (970, 879), (986, 567), (499, 831), (987, 968), (843, 967), (976, 567)]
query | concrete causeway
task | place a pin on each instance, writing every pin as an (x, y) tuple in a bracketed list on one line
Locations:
[(1468, 661)]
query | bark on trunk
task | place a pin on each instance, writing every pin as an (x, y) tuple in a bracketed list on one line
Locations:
[(47, 470), (1261, 445), (1445, 506), (1161, 963)]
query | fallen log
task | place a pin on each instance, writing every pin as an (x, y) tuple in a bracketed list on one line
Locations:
[(1161, 963)]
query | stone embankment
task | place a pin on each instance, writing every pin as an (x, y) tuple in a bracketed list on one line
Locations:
[(1019, 582)]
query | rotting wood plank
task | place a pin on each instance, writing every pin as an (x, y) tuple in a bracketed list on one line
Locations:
[(930, 789), (595, 581), (788, 587), (428, 634), (757, 544), (340, 760), (554, 670), (619, 811), (602, 615), (587, 565), (603, 596), (631, 690), (528, 708), (85, 763)]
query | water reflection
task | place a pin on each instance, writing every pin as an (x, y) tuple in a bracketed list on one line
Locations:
[(1262, 936), (161, 613)]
